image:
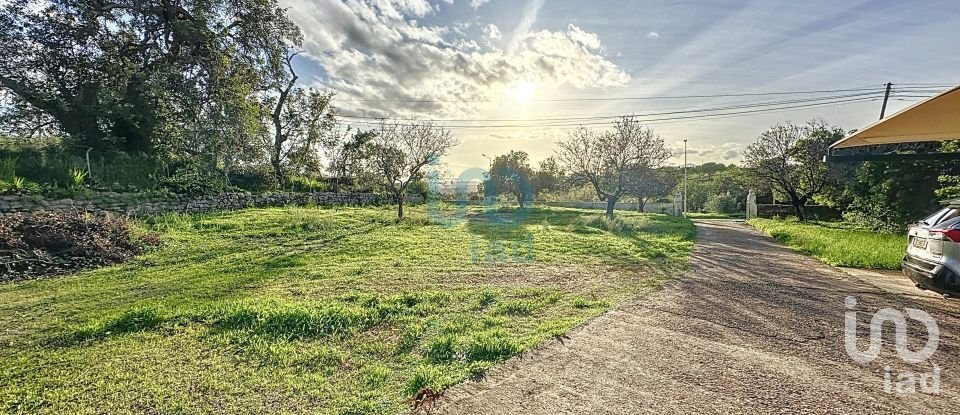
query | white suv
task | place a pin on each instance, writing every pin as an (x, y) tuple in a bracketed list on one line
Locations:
[(933, 251)]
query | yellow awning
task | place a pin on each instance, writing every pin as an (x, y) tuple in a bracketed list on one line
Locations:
[(936, 119)]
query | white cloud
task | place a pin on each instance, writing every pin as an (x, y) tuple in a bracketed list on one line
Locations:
[(527, 18), (477, 3), (492, 32), (375, 50), (653, 35)]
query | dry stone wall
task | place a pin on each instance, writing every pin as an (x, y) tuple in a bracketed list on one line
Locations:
[(137, 204)]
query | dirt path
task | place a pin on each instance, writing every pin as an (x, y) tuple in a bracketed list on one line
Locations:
[(753, 328)]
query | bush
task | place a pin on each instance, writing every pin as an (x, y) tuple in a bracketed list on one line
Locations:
[(50, 243), (255, 180), (721, 203), (193, 179), (305, 184)]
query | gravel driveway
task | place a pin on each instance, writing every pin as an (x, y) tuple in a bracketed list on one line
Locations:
[(753, 328)]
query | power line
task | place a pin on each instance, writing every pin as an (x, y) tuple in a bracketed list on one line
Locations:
[(748, 94), (607, 117), (653, 120)]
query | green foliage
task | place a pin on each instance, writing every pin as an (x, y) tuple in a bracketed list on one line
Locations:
[(615, 225), (427, 376), (891, 194), (193, 178), (77, 178), (949, 180), (510, 174), (491, 346), (838, 244), (305, 184), (647, 184), (443, 348), (8, 168), (721, 203), (19, 186), (789, 159), (604, 159), (110, 93)]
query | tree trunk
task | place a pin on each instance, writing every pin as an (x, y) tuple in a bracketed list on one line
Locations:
[(275, 161), (798, 207), (521, 198), (611, 203), (641, 203), (400, 206)]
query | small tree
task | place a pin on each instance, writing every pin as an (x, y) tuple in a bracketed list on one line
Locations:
[(548, 178), (790, 158), (511, 173), (646, 184), (401, 151), (606, 159)]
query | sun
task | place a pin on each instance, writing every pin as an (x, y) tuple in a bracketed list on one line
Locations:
[(521, 91)]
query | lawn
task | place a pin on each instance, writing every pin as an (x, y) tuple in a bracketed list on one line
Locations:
[(838, 243), (319, 310)]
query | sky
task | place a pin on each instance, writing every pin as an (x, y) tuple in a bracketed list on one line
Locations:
[(520, 74)]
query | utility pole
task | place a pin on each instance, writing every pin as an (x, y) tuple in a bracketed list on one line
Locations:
[(886, 96), (488, 174), (684, 177)]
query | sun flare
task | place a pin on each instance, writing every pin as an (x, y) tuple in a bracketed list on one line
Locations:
[(521, 91)]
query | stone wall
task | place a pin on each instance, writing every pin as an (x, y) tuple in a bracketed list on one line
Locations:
[(650, 207), (813, 212), (136, 204)]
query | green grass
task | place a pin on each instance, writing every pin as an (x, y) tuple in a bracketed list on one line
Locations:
[(838, 243), (319, 310)]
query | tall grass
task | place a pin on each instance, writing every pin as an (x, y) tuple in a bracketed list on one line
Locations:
[(838, 244)]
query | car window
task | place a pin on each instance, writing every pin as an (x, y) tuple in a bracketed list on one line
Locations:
[(950, 215), (949, 223), (935, 218)]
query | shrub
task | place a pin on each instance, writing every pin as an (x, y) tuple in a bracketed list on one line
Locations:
[(616, 225), (721, 203), (193, 179), (305, 184), (254, 180), (48, 243)]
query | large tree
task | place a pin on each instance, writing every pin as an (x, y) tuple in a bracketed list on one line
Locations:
[(401, 151), (303, 120), (510, 174), (348, 158), (605, 159), (123, 74), (791, 159)]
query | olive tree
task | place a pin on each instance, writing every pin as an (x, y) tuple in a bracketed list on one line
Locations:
[(790, 158), (606, 159), (511, 174), (401, 151)]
